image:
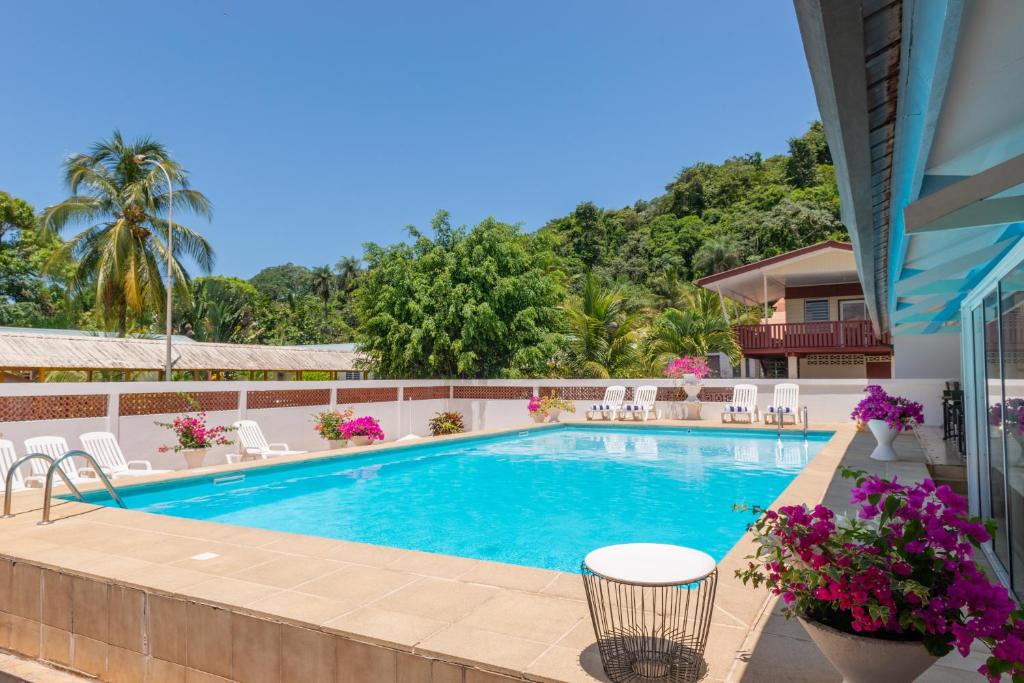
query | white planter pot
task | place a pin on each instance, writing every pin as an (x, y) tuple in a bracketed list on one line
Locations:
[(538, 416), (870, 660), (194, 457), (691, 386), (361, 440), (337, 443), (553, 414), (884, 434)]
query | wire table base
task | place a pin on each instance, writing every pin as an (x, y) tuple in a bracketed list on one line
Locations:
[(649, 634)]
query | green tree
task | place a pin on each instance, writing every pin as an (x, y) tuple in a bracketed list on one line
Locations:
[(718, 254), (280, 283), (321, 283), (122, 249), (600, 331), (698, 329), (27, 297), (222, 309), (347, 271), (465, 303)]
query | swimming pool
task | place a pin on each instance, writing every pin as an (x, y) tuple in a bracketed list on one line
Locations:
[(540, 498)]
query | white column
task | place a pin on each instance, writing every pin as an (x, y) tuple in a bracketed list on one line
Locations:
[(794, 367), (114, 414)]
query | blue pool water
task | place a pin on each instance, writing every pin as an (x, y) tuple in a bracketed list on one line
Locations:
[(542, 498)]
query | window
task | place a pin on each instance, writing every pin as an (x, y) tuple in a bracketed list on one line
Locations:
[(815, 310), (853, 309), (350, 374)]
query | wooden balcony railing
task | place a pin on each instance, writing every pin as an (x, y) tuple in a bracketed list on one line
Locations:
[(834, 335)]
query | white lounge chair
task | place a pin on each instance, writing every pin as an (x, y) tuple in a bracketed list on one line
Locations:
[(55, 447), (784, 405), (643, 404), (253, 444), (609, 405), (104, 447), (744, 405), (7, 457)]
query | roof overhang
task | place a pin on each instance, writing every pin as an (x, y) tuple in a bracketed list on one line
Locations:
[(955, 182), (825, 263)]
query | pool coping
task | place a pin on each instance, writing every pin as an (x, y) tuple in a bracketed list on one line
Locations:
[(487, 620)]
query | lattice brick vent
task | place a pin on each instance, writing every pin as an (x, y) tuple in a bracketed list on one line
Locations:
[(24, 408), (835, 359), (877, 359), (164, 402), (367, 395), (288, 398), (494, 393), (425, 393)]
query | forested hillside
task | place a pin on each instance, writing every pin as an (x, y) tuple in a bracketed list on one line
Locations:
[(599, 292)]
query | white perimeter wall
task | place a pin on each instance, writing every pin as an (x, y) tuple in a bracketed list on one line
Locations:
[(828, 401), (931, 356)]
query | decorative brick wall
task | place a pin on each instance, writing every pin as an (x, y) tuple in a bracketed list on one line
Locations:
[(494, 393), (426, 393), (287, 398), (24, 408), (367, 395), (574, 393), (173, 402), (715, 394)]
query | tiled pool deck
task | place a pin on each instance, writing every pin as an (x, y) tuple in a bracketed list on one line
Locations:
[(117, 594)]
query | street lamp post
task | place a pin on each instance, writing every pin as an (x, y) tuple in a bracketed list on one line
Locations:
[(142, 159)]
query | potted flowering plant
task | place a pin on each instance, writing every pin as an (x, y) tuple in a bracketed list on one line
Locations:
[(535, 409), (362, 431), (552, 406), (194, 437), (690, 370), (449, 422), (885, 593), (886, 416), (328, 425)]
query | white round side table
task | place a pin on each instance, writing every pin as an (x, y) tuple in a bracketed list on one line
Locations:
[(650, 604)]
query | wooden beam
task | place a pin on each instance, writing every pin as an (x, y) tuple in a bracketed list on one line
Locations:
[(954, 206)]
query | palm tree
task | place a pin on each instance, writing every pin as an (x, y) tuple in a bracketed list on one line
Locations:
[(601, 331), (122, 250), (718, 254), (347, 269), (698, 328), (321, 283)]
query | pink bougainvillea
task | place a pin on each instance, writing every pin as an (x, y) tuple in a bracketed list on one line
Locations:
[(687, 365), (362, 426), (902, 569), (899, 413), (193, 432)]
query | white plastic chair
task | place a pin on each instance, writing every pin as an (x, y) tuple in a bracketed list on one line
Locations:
[(104, 447), (609, 405), (252, 443), (56, 446), (643, 404), (784, 405), (7, 457), (744, 405)]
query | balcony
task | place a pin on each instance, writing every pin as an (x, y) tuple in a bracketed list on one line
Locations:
[(834, 336)]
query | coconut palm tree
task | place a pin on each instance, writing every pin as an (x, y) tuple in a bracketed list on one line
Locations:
[(601, 331), (347, 269), (698, 328), (718, 254), (122, 250), (321, 283)]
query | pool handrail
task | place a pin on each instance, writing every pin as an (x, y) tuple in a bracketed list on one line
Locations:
[(55, 465), (9, 480)]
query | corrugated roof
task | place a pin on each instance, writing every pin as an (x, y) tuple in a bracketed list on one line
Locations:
[(21, 349)]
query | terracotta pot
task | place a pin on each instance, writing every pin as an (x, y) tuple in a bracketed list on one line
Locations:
[(884, 434), (360, 440), (538, 416), (870, 660), (337, 443), (194, 457)]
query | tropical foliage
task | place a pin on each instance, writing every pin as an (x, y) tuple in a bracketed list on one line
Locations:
[(596, 293)]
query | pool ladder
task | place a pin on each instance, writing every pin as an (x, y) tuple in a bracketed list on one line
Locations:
[(54, 468)]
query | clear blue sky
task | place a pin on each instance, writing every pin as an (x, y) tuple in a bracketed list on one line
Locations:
[(317, 126)]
